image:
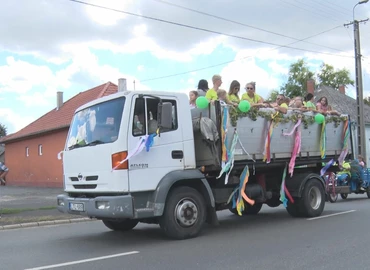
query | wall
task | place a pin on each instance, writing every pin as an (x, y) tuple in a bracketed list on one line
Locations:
[(36, 170)]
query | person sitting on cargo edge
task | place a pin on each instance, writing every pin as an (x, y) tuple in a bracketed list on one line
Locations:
[(222, 97), (280, 106), (250, 95), (211, 94)]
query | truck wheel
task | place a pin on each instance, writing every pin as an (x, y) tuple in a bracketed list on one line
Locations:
[(344, 196), (313, 198), (184, 214), (295, 209), (333, 198), (122, 225), (249, 210)]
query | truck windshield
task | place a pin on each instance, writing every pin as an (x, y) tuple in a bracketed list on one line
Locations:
[(97, 124)]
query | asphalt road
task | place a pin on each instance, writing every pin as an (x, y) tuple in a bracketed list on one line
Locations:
[(339, 239)]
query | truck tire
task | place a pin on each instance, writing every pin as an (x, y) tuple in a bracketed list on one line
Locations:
[(344, 196), (295, 209), (333, 198), (122, 225), (184, 214), (249, 210), (313, 198)]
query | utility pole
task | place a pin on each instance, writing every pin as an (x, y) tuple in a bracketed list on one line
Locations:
[(361, 140)]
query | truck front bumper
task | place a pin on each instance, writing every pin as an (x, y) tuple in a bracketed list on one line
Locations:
[(98, 207)]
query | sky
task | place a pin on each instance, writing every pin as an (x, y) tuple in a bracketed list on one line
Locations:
[(60, 45)]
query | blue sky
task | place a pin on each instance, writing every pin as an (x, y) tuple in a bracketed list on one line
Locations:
[(71, 47)]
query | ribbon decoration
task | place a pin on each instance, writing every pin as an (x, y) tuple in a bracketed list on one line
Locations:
[(241, 145), (345, 136), (59, 156), (267, 151), (227, 167), (297, 145), (144, 142), (284, 192), (323, 140), (326, 167), (238, 195)]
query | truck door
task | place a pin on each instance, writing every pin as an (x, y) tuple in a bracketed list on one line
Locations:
[(146, 169)]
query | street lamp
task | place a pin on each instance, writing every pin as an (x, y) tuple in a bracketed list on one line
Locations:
[(359, 91)]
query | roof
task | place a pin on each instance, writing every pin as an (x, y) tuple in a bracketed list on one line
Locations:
[(59, 119), (342, 103)]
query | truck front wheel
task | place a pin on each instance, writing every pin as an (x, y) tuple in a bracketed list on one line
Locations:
[(184, 213), (122, 225)]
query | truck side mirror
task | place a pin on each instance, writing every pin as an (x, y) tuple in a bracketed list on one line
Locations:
[(165, 115)]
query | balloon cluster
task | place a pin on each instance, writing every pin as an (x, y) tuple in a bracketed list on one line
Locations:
[(319, 118)]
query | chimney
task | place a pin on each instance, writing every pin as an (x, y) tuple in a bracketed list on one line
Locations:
[(311, 86), (122, 86), (342, 89), (59, 99)]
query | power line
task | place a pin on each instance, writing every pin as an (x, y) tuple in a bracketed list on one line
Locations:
[(235, 60), (239, 23), (204, 30)]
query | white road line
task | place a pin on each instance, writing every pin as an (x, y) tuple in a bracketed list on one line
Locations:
[(84, 261), (331, 215)]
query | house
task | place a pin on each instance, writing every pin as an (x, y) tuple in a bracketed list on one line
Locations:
[(31, 153), (339, 101)]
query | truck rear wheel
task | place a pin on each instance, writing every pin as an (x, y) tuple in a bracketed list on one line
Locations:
[(122, 225), (313, 198), (184, 214), (344, 196)]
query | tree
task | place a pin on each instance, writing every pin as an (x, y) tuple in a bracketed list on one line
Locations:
[(3, 130), (273, 95), (367, 101), (299, 74), (334, 78)]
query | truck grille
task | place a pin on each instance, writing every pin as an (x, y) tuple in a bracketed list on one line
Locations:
[(84, 186)]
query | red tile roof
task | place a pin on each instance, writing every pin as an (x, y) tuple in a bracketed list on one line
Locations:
[(58, 119)]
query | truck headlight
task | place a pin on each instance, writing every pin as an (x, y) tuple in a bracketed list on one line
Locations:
[(101, 205)]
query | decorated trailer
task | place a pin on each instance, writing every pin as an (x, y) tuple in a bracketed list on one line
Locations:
[(147, 157)]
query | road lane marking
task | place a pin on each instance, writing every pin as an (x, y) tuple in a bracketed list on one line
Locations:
[(84, 261), (331, 215)]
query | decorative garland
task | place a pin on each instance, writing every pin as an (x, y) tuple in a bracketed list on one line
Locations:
[(307, 120)]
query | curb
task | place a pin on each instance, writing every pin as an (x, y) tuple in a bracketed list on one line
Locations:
[(44, 223)]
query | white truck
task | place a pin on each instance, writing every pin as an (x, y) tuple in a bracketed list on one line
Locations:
[(116, 171)]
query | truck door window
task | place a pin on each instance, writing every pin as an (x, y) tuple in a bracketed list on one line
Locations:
[(140, 123)]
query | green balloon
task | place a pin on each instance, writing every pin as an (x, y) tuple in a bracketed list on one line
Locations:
[(202, 102), (244, 106), (319, 118)]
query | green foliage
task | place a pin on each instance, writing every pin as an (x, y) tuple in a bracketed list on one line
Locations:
[(277, 118), (334, 78), (273, 95), (299, 74), (367, 101), (3, 130)]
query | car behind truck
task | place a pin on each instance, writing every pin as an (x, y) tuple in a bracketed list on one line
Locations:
[(143, 156)]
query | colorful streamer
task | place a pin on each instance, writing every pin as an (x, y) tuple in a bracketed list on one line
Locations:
[(284, 192), (144, 142), (323, 140), (326, 167), (238, 196), (267, 151), (345, 136), (297, 146), (227, 167)]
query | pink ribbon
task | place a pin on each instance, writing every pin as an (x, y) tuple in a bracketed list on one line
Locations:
[(297, 146)]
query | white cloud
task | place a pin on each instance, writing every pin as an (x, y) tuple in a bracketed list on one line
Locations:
[(14, 121), (34, 99), (140, 68)]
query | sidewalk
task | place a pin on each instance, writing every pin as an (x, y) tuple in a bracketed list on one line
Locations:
[(20, 205)]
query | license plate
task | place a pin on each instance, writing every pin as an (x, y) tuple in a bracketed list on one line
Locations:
[(76, 207)]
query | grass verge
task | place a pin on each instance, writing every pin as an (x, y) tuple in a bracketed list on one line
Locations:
[(10, 211)]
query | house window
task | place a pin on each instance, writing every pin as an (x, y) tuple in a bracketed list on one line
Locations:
[(145, 116), (40, 149), (27, 152)]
